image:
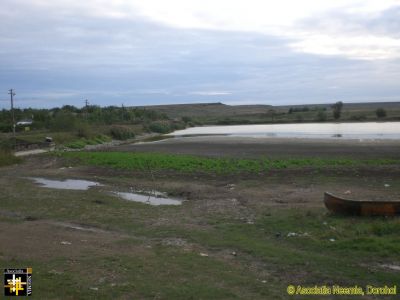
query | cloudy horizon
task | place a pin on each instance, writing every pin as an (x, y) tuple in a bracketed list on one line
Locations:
[(160, 52)]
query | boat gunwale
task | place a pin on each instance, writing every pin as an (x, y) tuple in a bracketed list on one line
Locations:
[(361, 201)]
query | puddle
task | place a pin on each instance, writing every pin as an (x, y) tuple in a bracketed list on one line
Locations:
[(69, 184), (158, 199), (156, 194)]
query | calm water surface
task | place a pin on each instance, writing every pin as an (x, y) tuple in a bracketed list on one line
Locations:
[(68, 184), (149, 199), (365, 130)]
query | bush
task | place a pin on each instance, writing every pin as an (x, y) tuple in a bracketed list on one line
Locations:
[(5, 127), (186, 119), (83, 130), (380, 112), (102, 139), (178, 126), (358, 117), (119, 132), (7, 158), (63, 122), (321, 116), (6, 145), (160, 127)]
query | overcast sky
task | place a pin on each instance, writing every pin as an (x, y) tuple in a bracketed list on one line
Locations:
[(143, 52)]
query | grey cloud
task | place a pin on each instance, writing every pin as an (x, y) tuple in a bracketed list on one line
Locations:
[(53, 58), (385, 23)]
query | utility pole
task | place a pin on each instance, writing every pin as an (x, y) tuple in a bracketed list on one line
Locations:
[(12, 94), (87, 108)]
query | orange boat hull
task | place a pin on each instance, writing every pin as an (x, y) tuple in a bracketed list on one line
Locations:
[(339, 205)]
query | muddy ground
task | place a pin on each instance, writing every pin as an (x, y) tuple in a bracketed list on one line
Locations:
[(210, 246)]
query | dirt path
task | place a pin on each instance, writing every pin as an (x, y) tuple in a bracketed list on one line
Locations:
[(31, 152)]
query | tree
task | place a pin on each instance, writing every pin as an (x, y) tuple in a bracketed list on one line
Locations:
[(380, 112), (337, 109)]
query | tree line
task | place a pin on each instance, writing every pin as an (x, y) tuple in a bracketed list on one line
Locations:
[(68, 116)]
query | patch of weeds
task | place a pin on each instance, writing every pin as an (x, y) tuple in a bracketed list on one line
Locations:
[(189, 163), (7, 158), (81, 143)]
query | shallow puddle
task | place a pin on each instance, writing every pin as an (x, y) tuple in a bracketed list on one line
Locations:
[(68, 184), (149, 199)]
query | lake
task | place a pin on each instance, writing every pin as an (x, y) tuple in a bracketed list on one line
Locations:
[(365, 130)]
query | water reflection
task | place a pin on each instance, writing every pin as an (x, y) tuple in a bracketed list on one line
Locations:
[(149, 199), (365, 130), (68, 184)]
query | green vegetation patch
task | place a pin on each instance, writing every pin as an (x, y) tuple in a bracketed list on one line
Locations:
[(121, 132), (81, 143), (188, 163), (252, 257), (7, 158)]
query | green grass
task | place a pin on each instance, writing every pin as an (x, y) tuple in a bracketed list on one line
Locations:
[(7, 158), (168, 272), (81, 143), (187, 163)]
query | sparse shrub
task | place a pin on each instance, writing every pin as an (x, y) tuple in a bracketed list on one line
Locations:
[(186, 119), (121, 132), (299, 118), (358, 117), (298, 109), (160, 127), (380, 112), (83, 130), (321, 116), (102, 139), (6, 145), (5, 127), (229, 121), (178, 126), (63, 122), (7, 158)]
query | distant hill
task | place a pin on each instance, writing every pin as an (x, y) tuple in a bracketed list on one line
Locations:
[(219, 113), (350, 106), (208, 109)]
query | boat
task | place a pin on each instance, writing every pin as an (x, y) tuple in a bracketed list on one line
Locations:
[(338, 205)]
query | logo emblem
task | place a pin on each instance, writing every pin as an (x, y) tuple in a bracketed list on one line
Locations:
[(18, 282)]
